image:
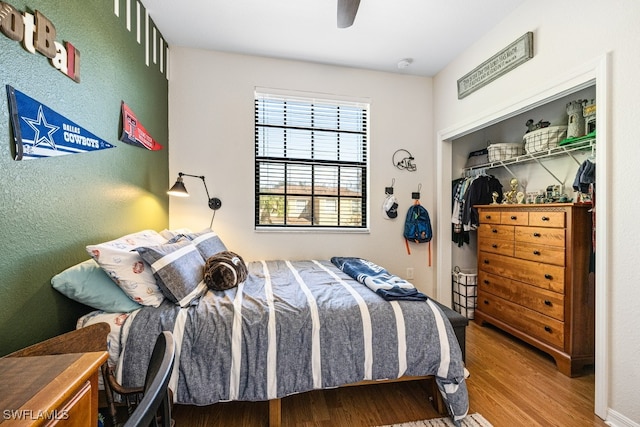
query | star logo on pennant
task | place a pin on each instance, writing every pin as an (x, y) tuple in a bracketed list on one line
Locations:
[(43, 130)]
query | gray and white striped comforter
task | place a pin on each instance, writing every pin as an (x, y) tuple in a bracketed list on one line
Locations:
[(295, 326)]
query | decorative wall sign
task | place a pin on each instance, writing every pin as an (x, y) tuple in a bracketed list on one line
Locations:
[(38, 131), (134, 133), (38, 34), (502, 62)]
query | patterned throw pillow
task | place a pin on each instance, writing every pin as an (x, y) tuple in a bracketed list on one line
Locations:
[(174, 233), (126, 268), (178, 268), (115, 321), (207, 241)]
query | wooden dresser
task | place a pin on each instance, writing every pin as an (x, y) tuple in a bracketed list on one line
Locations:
[(51, 390), (533, 278)]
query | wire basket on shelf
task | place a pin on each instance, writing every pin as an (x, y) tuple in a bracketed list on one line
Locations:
[(505, 151), (544, 139)]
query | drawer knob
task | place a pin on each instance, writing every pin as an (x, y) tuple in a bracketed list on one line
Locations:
[(513, 217), (536, 252), (545, 218), (486, 261), (486, 302), (536, 234), (547, 302), (487, 217), (494, 230), (547, 328), (494, 246), (548, 276), (486, 282)]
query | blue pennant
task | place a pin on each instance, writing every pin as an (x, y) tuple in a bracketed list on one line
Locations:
[(39, 132)]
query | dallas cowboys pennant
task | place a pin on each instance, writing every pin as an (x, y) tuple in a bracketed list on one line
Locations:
[(134, 133), (39, 132)]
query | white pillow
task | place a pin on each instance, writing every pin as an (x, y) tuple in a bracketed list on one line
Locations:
[(119, 259)]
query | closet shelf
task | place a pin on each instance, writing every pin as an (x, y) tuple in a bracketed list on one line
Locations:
[(587, 144)]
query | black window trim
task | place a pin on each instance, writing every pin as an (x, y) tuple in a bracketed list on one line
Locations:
[(364, 165)]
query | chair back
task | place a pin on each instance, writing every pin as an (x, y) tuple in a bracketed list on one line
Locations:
[(156, 397)]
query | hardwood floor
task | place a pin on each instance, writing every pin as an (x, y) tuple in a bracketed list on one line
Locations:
[(511, 384)]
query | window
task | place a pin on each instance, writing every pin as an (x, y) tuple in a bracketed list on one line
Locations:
[(311, 162)]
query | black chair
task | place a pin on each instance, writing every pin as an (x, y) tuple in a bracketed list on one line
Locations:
[(155, 402)]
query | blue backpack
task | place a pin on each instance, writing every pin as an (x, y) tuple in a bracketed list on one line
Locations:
[(417, 225)]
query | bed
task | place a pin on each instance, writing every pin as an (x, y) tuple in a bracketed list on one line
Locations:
[(289, 327)]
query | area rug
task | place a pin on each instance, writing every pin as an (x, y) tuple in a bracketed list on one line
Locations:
[(473, 420)]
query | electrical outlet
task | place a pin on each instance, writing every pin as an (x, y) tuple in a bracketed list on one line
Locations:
[(409, 273)]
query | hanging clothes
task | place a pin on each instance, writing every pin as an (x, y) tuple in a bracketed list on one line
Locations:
[(585, 176), (458, 235), (479, 193), (468, 192), (585, 182)]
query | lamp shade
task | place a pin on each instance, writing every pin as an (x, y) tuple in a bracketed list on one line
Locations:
[(178, 189)]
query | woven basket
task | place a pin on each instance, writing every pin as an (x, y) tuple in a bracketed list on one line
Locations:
[(544, 139)]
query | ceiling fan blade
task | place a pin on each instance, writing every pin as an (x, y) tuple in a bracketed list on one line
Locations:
[(347, 10)]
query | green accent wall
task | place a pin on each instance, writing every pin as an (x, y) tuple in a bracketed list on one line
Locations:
[(51, 208)]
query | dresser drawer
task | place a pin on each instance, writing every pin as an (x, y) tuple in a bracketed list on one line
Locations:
[(496, 246), (514, 217), (493, 231), (528, 321), (545, 276), (541, 236), (541, 253), (489, 217), (546, 302), (547, 219)]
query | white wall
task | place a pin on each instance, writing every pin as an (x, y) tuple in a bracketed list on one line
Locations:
[(568, 34), (211, 133)]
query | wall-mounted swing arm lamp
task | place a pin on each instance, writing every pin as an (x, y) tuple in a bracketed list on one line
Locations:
[(179, 190)]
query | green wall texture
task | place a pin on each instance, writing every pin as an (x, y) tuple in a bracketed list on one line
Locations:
[(51, 208)]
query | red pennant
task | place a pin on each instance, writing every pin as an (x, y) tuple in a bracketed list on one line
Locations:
[(134, 133)]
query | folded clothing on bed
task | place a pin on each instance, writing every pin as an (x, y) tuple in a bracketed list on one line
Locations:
[(378, 279)]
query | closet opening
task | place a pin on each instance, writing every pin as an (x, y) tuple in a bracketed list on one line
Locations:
[(508, 124)]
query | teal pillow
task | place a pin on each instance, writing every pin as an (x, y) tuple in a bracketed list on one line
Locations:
[(88, 284)]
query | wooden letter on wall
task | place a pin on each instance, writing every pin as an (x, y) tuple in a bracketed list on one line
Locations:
[(11, 23), (45, 36)]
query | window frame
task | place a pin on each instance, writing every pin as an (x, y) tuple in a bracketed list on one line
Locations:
[(363, 167)]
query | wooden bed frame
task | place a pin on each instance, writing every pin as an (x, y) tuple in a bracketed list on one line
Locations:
[(94, 338), (459, 323), (275, 407)]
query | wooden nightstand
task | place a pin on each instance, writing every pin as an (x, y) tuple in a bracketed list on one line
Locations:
[(50, 390)]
